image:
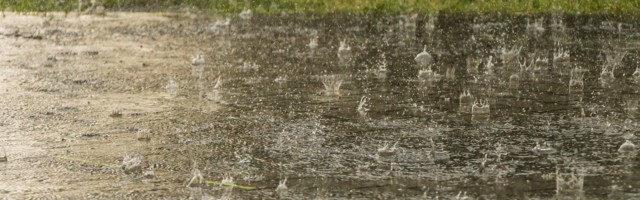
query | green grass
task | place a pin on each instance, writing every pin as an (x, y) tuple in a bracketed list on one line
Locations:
[(356, 6)]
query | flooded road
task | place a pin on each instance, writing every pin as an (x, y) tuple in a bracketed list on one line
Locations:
[(328, 107)]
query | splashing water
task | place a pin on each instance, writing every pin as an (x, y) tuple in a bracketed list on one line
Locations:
[(627, 147), (560, 55), (132, 164), (543, 149), (313, 44), (249, 66), (430, 25), (508, 55), (636, 74), (218, 84), (557, 24), (382, 67), (245, 14), (344, 50), (198, 59), (450, 74), (332, 84), (489, 67), (143, 134), (196, 177), (577, 78), (172, 88), (220, 26), (466, 101), (282, 186), (386, 150), (362, 106), (227, 181), (428, 75), (614, 58), (536, 28), (424, 58), (607, 74), (473, 64), (571, 182), (481, 107)]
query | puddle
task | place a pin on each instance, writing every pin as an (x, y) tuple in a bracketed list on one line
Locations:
[(505, 106)]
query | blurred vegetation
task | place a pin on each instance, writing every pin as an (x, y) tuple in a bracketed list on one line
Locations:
[(331, 6)]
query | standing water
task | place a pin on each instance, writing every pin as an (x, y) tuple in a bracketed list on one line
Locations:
[(493, 107)]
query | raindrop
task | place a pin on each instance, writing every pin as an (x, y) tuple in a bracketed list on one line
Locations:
[(577, 76), (220, 26), (627, 147), (466, 101), (430, 25), (382, 67), (282, 186), (543, 149), (508, 55), (424, 58), (428, 75), (245, 14), (607, 74), (557, 24), (332, 84), (473, 64), (172, 88), (614, 58), (514, 81), (386, 150), (480, 107), (198, 59), (196, 177), (280, 79), (489, 67), (450, 74), (227, 181), (483, 164), (313, 44), (636, 74), (569, 182), (218, 83), (560, 55), (344, 51), (536, 28), (131, 164), (541, 61), (362, 106), (143, 134)]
